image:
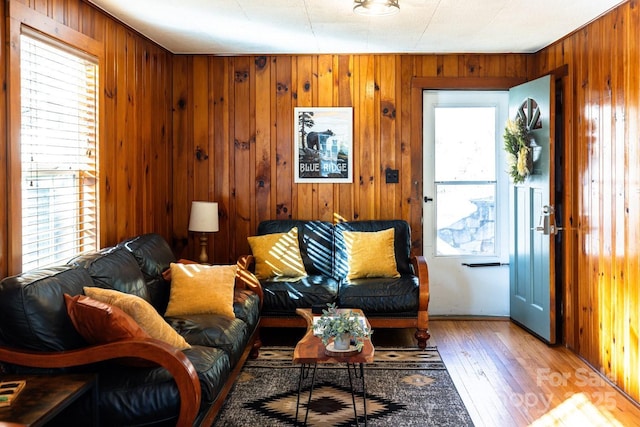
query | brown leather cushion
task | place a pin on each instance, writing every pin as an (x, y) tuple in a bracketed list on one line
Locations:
[(141, 312), (100, 323)]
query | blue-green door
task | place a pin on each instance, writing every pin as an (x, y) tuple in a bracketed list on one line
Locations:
[(532, 278)]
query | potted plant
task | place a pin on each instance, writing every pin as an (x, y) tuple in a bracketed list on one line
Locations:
[(344, 327)]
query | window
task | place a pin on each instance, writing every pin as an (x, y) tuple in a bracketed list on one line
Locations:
[(58, 144), (465, 180)]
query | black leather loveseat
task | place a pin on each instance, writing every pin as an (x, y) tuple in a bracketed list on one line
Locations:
[(155, 384), (388, 302)]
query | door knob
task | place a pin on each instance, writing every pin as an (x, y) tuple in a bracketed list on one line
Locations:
[(547, 222)]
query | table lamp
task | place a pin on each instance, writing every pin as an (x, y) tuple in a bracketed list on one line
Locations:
[(203, 219)]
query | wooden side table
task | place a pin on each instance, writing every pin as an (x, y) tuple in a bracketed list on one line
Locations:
[(45, 396), (310, 351)]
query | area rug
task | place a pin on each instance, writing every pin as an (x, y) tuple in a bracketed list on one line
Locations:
[(404, 387)]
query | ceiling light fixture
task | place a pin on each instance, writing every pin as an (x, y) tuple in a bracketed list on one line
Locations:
[(376, 7)]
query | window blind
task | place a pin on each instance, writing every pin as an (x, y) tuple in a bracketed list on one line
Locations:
[(58, 145)]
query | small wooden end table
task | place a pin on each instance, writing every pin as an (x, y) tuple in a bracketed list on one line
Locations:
[(45, 396), (310, 351)]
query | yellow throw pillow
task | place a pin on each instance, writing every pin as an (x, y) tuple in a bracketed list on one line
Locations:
[(101, 323), (277, 255), (371, 254), (142, 312), (201, 289)]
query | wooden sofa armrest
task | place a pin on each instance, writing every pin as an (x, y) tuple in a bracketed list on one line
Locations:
[(245, 279), (172, 359), (247, 262), (422, 271)]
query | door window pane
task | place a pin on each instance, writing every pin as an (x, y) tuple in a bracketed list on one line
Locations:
[(466, 219), (465, 143), (465, 180)]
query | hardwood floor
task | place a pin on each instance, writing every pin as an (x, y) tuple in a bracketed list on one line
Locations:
[(508, 378)]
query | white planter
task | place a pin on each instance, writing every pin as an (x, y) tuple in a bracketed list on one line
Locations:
[(342, 342)]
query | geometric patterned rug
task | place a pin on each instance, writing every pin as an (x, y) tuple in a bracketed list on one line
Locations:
[(405, 387), (385, 357)]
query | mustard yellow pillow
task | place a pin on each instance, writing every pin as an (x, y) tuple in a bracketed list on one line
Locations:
[(201, 289), (142, 312), (371, 254), (277, 255)]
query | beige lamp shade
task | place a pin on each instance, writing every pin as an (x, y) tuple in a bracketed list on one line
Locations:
[(204, 217)]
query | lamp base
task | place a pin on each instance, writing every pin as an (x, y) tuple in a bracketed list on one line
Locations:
[(204, 240)]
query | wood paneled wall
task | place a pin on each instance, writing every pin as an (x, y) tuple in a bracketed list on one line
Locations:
[(239, 111), (4, 188), (135, 151), (603, 186)]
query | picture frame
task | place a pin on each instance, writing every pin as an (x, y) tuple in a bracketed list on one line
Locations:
[(323, 141)]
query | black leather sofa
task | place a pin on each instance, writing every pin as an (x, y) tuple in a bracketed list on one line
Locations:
[(173, 387), (388, 302)]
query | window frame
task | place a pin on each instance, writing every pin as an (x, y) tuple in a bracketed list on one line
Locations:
[(21, 16), (501, 252)]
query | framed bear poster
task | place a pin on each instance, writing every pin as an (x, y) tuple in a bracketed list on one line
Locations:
[(323, 140)]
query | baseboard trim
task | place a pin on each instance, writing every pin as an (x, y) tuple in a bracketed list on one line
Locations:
[(466, 317)]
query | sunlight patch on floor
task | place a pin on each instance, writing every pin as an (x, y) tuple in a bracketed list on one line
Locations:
[(578, 410)]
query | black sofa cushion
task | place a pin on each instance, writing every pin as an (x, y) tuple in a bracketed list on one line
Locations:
[(154, 256), (381, 295), (152, 253), (315, 239), (246, 306), (33, 313), (102, 266), (283, 298), (208, 330)]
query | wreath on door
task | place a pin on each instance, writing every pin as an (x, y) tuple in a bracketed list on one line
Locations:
[(516, 144), (519, 143)]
